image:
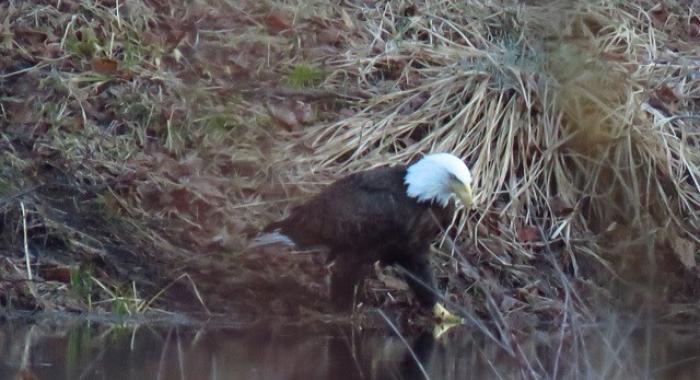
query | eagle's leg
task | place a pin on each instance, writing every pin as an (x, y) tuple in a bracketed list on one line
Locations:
[(420, 279), (348, 272)]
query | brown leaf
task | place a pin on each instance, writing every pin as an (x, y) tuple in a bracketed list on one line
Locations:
[(410, 10), (53, 50), (665, 94), (55, 273), (284, 115), (104, 66), (330, 36), (528, 234), (664, 98), (19, 112), (560, 207), (30, 36), (659, 16), (276, 22), (69, 6), (694, 27), (684, 250)]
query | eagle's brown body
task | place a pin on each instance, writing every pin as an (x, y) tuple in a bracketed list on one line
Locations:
[(365, 217)]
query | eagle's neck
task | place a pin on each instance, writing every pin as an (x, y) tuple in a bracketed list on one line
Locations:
[(428, 184)]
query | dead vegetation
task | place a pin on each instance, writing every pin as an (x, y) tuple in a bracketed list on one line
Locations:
[(147, 139)]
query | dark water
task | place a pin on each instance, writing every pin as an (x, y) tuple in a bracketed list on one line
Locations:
[(56, 348)]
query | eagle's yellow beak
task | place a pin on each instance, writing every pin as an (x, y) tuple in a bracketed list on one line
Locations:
[(464, 193)]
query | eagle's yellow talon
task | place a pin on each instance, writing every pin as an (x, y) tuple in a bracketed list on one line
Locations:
[(440, 329), (445, 316), (446, 320)]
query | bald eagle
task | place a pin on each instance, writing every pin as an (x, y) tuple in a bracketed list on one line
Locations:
[(387, 214)]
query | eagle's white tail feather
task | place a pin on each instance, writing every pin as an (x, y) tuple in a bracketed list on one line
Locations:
[(275, 237)]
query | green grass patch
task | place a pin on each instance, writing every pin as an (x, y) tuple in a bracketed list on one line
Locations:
[(81, 285), (83, 42), (304, 75)]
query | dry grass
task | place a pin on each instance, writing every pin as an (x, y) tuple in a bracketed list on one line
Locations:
[(149, 139), (570, 116)]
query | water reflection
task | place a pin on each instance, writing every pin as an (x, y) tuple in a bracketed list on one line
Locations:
[(60, 349)]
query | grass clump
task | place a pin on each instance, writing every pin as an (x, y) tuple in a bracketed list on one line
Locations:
[(304, 76), (81, 285)]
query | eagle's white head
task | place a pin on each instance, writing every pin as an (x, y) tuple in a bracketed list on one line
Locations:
[(436, 177)]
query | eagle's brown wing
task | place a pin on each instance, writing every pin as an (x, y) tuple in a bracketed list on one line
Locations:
[(364, 210)]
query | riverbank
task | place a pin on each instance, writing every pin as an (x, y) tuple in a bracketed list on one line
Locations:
[(145, 142)]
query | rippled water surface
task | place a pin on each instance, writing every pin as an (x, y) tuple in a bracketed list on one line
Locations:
[(57, 348)]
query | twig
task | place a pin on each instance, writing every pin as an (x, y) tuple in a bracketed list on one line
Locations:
[(26, 243)]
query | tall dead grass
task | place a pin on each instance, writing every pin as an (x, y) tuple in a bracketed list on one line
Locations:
[(562, 111)]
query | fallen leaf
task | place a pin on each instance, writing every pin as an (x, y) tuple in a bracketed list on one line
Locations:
[(694, 27), (19, 112), (560, 207), (284, 115), (104, 65), (277, 22), (684, 250), (665, 94), (55, 273), (659, 16), (410, 11), (664, 99), (330, 36), (30, 36), (68, 6), (528, 234)]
